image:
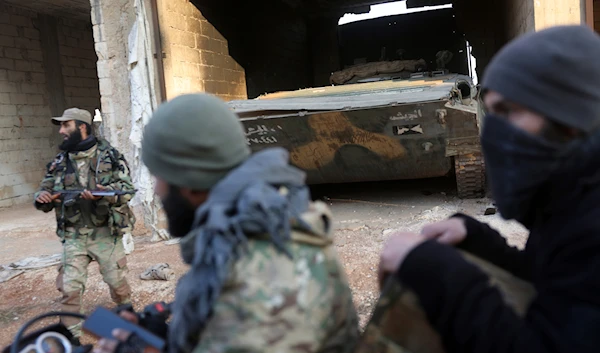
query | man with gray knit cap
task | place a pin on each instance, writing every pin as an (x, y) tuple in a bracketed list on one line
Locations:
[(541, 142), (264, 276)]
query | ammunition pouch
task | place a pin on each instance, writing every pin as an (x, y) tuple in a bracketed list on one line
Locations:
[(121, 220)]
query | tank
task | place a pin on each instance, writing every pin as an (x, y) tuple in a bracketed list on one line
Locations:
[(422, 127)]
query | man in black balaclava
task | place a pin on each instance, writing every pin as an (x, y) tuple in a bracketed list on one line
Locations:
[(540, 140)]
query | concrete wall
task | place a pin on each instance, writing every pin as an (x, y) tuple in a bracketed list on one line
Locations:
[(78, 63), (557, 12), (520, 17), (196, 54), (28, 98)]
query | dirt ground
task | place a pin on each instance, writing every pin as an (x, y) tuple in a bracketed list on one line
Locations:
[(365, 214)]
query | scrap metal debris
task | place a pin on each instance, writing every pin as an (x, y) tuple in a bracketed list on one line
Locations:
[(14, 269), (161, 272)]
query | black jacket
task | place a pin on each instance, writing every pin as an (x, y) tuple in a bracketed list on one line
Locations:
[(561, 259)]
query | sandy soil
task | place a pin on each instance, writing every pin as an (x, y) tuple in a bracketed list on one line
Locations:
[(365, 215)]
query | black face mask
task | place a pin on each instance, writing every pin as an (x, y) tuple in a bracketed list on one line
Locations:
[(518, 166), (180, 213)]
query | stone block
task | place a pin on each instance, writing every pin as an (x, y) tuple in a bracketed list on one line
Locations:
[(32, 88), (185, 54), (32, 33), (20, 21), (88, 64), (185, 69), (41, 110), (86, 73), (98, 33), (24, 43), (106, 103), (193, 25), (72, 42), (202, 42), (105, 85), (180, 37), (8, 87), (37, 67), (8, 64), (17, 76), (35, 99), (8, 109), (73, 62), (25, 110), (101, 50), (7, 41), (22, 65), (176, 20), (37, 77), (178, 6), (88, 82), (4, 98), (102, 69), (68, 71), (224, 48), (13, 53), (35, 55), (9, 30), (18, 98), (4, 17)]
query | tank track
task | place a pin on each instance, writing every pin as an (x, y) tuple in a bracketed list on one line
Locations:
[(470, 175)]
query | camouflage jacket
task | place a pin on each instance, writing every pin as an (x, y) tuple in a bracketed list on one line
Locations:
[(104, 165), (273, 304)]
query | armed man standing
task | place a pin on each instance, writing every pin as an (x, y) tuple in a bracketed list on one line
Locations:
[(541, 142), (90, 227)]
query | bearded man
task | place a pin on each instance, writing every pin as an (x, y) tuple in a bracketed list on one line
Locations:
[(264, 275), (91, 228)]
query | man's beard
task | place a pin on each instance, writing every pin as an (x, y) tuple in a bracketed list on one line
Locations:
[(180, 213), (72, 141)]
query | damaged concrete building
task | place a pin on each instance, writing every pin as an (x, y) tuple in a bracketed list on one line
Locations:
[(124, 57)]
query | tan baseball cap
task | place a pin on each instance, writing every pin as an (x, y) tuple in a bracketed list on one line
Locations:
[(74, 114)]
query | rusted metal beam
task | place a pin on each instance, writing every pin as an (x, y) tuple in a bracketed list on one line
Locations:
[(159, 51), (589, 13)]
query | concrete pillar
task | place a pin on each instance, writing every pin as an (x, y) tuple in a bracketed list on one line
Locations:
[(120, 47), (550, 13)]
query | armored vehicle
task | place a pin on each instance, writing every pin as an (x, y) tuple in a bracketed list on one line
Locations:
[(421, 127)]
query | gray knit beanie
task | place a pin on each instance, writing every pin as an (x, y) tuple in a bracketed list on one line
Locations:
[(193, 141), (555, 72)]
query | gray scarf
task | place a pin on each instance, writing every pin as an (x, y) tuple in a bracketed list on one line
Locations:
[(246, 202)]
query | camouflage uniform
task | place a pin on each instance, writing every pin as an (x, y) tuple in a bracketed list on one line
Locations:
[(90, 230), (273, 304)]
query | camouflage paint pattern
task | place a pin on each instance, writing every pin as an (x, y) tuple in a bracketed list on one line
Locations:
[(90, 230), (273, 304), (406, 141), (399, 324)]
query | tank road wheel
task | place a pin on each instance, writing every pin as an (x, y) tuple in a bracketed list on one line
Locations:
[(470, 175)]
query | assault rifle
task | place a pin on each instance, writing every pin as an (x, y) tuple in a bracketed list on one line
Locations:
[(69, 196), (76, 192)]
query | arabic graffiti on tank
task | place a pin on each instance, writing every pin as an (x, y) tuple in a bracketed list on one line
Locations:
[(261, 134)]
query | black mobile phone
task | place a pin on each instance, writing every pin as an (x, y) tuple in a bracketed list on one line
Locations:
[(102, 321)]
